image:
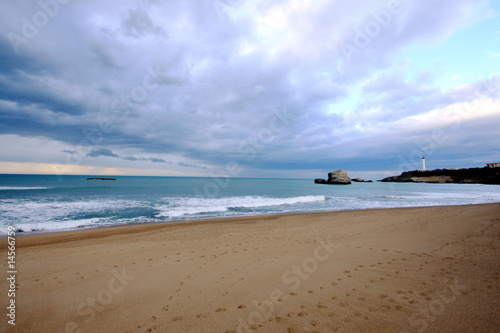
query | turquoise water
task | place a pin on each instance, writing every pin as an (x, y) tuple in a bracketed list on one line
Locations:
[(44, 203)]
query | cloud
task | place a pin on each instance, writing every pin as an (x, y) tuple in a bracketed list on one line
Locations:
[(156, 160), (195, 86), (101, 152), (151, 159), (187, 165), (492, 54), (138, 23)]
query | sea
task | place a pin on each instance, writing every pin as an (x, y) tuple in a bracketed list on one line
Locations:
[(51, 203)]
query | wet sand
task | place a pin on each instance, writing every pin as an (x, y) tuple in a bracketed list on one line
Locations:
[(432, 269)]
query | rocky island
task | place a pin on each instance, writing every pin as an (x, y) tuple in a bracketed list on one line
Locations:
[(100, 178), (487, 175), (338, 177)]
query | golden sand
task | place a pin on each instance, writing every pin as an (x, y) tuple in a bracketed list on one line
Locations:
[(432, 269)]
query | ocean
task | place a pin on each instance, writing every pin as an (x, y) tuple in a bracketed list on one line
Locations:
[(49, 203)]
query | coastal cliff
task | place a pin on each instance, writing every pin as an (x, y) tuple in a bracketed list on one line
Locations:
[(485, 175)]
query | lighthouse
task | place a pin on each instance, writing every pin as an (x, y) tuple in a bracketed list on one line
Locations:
[(423, 163)]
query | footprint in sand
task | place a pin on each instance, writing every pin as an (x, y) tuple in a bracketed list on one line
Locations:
[(386, 308), (152, 328)]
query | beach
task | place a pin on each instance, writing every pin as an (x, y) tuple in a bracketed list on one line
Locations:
[(425, 269)]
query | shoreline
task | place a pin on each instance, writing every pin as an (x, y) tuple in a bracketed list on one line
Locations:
[(208, 220), (398, 269)]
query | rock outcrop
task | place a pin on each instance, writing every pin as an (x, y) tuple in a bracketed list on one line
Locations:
[(338, 177), (486, 175)]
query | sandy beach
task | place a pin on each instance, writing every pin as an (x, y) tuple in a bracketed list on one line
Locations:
[(431, 269)]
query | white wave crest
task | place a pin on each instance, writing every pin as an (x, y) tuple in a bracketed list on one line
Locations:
[(178, 207), (17, 188), (57, 225)]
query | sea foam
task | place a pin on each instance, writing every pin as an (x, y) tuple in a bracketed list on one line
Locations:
[(178, 207)]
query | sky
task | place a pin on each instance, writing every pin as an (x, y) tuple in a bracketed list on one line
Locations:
[(240, 88)]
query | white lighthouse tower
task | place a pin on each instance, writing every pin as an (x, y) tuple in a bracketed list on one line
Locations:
[(423, 163)]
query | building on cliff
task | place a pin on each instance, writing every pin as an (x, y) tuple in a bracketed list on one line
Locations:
[(493, 165)]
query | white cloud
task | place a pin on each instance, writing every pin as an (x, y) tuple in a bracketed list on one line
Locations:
[(492, 54)]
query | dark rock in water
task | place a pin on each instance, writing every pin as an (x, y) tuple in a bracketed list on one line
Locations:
[(398, 179), (101, 178), (360, 180), (338, 177)]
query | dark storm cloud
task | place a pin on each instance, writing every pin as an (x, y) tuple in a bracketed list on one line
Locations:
[(11, 62)]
